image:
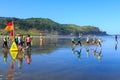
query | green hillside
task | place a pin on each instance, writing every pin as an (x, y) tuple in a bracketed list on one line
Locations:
[(45, 25)]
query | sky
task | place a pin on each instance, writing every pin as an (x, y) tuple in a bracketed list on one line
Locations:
[(104, 14)]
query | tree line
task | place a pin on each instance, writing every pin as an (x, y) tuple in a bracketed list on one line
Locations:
[(49, 26)]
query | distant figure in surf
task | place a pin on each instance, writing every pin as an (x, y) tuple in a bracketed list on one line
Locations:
[(116, 38)]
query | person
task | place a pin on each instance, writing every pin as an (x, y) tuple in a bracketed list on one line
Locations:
[(88, 39), (8, 41), (116, 38), (99, 41), (5, 42), (94, 39), (20, 48), (28, 41), (79, 40), (16, 40), (41, 40), (19, 40), (73, 40), (23, 39)]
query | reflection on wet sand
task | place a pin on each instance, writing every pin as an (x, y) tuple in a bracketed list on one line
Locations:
[(21, 56), (20, 59), (96, 51), (116, 45), (5, 54), (27, 56), (41, 39), (99, 55), (87, 52), (10, 73), (77, 51)]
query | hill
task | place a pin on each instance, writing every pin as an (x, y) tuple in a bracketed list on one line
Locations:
[(45, 25)]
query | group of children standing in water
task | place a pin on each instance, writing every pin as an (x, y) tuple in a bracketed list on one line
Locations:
[(87, 40), (20, 40)]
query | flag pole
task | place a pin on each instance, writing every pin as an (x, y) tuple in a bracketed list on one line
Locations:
[(13, 32)]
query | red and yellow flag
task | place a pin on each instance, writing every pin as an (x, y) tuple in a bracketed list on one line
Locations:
[(9, 26)]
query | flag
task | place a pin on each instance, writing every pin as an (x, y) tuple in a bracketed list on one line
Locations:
[(9, 26), (12, 34)]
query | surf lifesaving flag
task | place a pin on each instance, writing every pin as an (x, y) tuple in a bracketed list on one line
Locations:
[(14, 50), (13, 47), (9, 26)]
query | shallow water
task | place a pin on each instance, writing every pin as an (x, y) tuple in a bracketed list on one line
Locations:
[(56, 60)]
